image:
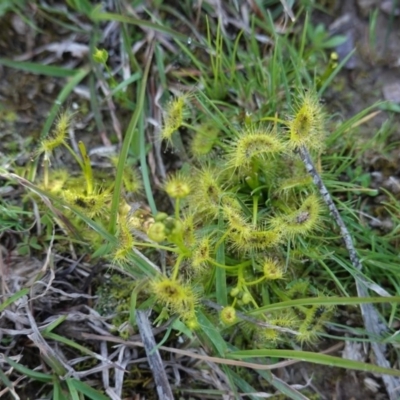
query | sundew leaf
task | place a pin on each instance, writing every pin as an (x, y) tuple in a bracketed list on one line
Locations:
[(74, 80)]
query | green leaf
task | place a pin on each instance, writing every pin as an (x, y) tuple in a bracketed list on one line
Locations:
[(83, 6), (72, 389), (130, 133), (86, 390), (212, 333), (13, 298), (35, 68), (7, 383), (98, 15), (68, 342), (37, 376), (182, 328), (282, 386), (54, 324), (316, 358), (390, 106), (57, 390), (334, 41)]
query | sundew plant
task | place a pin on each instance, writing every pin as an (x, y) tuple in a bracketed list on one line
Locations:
[(257, 247), (247, 217)]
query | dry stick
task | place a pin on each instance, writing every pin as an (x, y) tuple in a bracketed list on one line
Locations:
[(156, 364), (373, 323), (217, 360)]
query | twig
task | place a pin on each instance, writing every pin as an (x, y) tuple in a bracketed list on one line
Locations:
[(156, 364), (373, 323), (217, 360)]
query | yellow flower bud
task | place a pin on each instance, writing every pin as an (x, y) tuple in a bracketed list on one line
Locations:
[(246, 298), (228, 315), (157, 232), (100, 56)]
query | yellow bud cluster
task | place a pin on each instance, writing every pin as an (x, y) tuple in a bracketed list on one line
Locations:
[(165, 227), (157, 232)]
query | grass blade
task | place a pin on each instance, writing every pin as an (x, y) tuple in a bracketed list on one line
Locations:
[(130, 132), (316, 358), (35, 68), (86, 390)]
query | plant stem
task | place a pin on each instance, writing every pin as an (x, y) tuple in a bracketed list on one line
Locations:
[(253, 282), (255, 209), (241, 265), (177, 207), (77, 159), (156, 246), (176, 267), (87, 168), (46, 164)]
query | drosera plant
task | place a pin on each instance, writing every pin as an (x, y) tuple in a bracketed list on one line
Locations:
[(233, 229), (251, 240), (236, 207), (250, 237)]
